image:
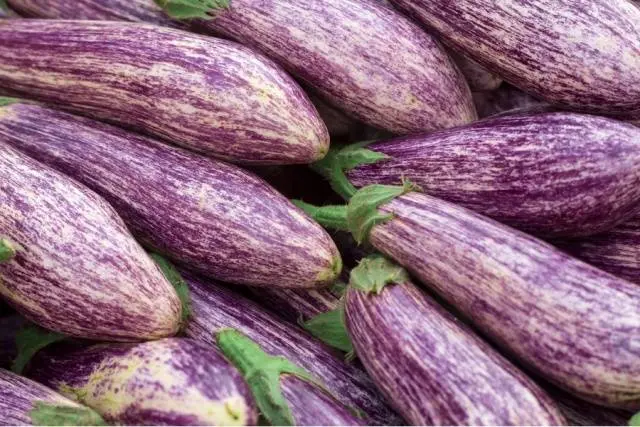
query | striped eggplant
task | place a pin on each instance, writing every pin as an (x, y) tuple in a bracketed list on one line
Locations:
[(479, 78), (25, 402), (403, 82), (286, 394), (174, 381), (616, 251), (581, 413), (77, 269), (210, 95), (433, 368), (582, 55), (502, 100), (297, 305), (554, 174), (213, 217), (215, 308)]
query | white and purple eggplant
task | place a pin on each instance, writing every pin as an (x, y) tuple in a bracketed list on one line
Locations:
[(584, 56), (77, 269), (552, 174), (209, 95), (403, 82), (433, 368), (581, 413), (212, 216), (571, 323), (25, 402), (174, 381), (215, 308)]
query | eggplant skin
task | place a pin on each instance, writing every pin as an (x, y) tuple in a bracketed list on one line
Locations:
[(19, 396), (403, 82), (296, 304), (209, 95), (434, 369), (571, 323), (209, 215), (552, 175), (77, 270), (174, 381), (582, 54), (215, 307)]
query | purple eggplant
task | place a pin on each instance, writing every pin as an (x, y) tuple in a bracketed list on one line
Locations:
[(554, 174), (215, 308), (213, 217), (581, 413), (77, 269), (25, 402), (584, 56), (297, 305), (174, 381), (210, 95), (403, 82), (433, 368)]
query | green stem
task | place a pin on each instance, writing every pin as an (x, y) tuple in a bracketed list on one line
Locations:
[(7, 250), (30, 340), (47, 414), (181, 287), (189, 9), (331, 329), (375, 272), (333, 217)]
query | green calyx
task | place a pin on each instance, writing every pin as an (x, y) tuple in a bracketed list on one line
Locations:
[(181, 287), (375, 272), (7, 250), (635, 420), (46, 414), (340, 160), (189, 9), (330, 328), (30, 340), (262, 373), (4, 101)]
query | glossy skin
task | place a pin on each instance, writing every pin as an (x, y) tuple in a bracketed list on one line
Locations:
[(573, 324), (553, 174), (433, 368), (209, 95), (19, 395), (77, 269), (215, 308), (174, 381), (582, 54), (209, 215), (403, 82)]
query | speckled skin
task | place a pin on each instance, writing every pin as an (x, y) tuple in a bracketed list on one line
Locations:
[(556, 174), (77, 270), (175, 381), (572, 323), (215, 308), (402, 82), (210, 95), (434, 369), (583, 54), (616, 251), (212, 216), (18, 396), (296, 304)]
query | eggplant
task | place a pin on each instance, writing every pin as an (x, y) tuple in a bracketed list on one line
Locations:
[(433, 368), (286, 394), (297, 305), (403, 82), (215, 308), (77, 270), (584, 56), (552, 174), (25, 402), (209, 95), (213, 217), (502, 100), (581, 413), (173, 381)]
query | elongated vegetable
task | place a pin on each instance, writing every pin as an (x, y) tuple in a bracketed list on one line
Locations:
[(174, 381), (583, 56), (209, 215), (572, 323), (297, 305), (581, 413), (209, 95), (435, 370), (403, 82), (216, 308), (77, 269), (285, 393), (554, 174), (25, 402)]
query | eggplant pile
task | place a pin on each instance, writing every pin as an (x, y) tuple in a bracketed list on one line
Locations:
[(336, 212)]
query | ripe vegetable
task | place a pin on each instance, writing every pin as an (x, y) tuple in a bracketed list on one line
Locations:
[(209, 95)]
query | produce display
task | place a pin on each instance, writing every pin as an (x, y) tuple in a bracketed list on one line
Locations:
[(336, 212)]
